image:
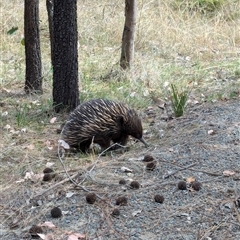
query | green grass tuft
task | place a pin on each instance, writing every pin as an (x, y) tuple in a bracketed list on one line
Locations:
[(179, 100)]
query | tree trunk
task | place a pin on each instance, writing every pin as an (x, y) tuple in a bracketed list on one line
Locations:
[(49, 4), (33, 83), (127, 53), (65, 55)]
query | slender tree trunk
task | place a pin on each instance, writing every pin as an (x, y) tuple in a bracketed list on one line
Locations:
[(49, 4), (65, 55), (127, 53), (33, 82)]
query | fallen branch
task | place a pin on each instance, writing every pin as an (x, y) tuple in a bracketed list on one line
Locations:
[(193, 169), (60, 183), (209, 173), (182, 168), (98, 158), (86, 174), (54, 186)]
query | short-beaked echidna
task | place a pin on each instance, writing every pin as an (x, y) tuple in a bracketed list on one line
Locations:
[(101, 121)]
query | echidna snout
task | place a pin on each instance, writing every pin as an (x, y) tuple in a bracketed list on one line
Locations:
[(102, 121), (143, 141), (140, 138)]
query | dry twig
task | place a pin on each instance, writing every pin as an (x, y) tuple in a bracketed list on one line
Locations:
[(182, 168)]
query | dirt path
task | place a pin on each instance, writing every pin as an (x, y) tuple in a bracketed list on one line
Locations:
[(201, 146)]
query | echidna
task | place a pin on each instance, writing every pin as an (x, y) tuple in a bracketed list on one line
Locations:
[(101, 121)]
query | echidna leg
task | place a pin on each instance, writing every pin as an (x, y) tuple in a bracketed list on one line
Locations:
[(103, 142), (84, 146), (122, 140)]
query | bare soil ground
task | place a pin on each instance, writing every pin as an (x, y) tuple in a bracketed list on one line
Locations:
[(204, 146)]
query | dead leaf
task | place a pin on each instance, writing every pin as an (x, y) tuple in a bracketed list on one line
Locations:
[(190, 179), (69, 194), (236, 124), (49, 236), (7, 126), (28, 175), (4, 113), (193, 101), (76, 236), (211, 132), (46, 237), (19, 181), (50, 144), (135, 213), (49, 164), (5, 90), (63, 144), (42, 236), (29, 147), (36, 102), (23, 130), (132, 94), (33, 177), (47, 224), (145, 92), (14, 132), (53, 120), (136, 159), (166, 84), (160, 103), (125, 169), (228, 173), (65, 212)]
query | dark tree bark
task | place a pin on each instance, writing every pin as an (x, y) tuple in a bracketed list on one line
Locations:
[(33, 82), (127, 53), (65, 55), (49, 4)]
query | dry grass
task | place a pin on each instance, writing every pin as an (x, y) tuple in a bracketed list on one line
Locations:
[(173, 45)]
